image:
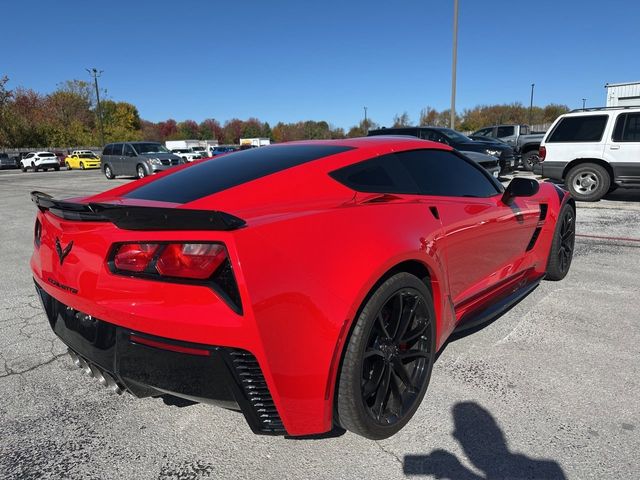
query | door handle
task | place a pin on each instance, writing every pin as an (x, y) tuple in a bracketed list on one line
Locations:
[(614, 147)]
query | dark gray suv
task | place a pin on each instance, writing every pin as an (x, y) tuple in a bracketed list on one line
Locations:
[(137, 159)]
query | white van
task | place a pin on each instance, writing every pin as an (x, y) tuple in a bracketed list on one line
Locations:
[(594, 151)]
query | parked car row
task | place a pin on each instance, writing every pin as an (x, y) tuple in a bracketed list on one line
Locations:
[(519, 137), (495, 149)]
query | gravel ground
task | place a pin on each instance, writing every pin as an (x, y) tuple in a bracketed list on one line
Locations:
[(550, 390)]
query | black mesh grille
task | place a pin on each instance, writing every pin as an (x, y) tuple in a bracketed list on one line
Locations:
[(257, 392)]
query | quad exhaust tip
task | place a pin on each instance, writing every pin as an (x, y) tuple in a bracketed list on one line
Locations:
[(104, 378)]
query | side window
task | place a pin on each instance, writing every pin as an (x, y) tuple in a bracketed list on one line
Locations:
[(505, 131), (382, 174), (583, 128), (128, 151), (433, 136), (107, 150), (443, 173), (627, 128), (485, 132), (116, 149)]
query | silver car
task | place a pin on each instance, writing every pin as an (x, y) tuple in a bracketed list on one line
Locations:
[(137, 159)]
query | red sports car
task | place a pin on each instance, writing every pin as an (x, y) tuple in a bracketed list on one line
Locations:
[(309, 285)]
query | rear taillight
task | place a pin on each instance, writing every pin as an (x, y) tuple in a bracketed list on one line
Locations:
[(135, 257), (542, 153), (191, 260), (205, 264)]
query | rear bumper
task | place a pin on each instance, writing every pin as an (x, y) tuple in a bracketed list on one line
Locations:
[(147, 365), (550, 169)]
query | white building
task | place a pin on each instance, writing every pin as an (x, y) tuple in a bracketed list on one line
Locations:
[(623, 94)]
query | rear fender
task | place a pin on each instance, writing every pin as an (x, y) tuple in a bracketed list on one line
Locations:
[(322, 281)]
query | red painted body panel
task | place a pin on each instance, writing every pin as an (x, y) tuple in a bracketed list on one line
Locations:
[(311, 252)]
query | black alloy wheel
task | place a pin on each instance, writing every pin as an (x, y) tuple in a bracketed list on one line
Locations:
[(530, 159), (561, 253), (389, 358), (396, 359)]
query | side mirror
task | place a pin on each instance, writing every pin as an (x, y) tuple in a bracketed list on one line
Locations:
[(520, 187)]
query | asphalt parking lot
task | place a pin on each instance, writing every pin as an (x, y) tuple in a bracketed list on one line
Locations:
[(549, 390)]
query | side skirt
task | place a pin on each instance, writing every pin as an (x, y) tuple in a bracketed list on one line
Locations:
[(490, 312)]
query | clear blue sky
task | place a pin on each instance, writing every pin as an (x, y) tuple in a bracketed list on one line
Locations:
[(321, 60)]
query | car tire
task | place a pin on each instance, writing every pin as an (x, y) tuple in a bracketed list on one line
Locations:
[(66, 164), (140, 171), (33, 165), (563, 243), (81, 165), (57, 169), (108, 172), (588, 182), (23, 167), (378, 390), (529, 159)]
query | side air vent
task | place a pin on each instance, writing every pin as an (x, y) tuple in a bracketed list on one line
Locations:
[(534, 238), (257, 392), (543, 211)]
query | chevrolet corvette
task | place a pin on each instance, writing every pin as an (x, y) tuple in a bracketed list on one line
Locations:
[(308, 285)]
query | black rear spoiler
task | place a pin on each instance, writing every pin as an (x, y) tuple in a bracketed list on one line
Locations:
[(138, 218)]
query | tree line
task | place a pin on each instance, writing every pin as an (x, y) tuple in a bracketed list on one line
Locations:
[(68, 117)]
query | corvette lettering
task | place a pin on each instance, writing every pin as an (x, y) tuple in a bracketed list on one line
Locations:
[(67, 288)]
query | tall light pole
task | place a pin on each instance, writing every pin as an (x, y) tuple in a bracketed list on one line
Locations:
[(95, 73), (531, 103), (454, 62), (584, 103), (366, 123)]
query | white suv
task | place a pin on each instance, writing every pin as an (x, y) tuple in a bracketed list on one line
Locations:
[(40, 161), (594, 151), (187, 154)]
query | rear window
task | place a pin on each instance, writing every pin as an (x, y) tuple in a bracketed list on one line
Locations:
[(627, 128), (426, 172), (230, 170), (505, 132), (42, 155), (584, 128)]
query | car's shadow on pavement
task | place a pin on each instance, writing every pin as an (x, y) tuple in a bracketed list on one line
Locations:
[(485, 447)]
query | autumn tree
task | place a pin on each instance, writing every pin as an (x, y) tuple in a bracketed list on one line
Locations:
[(401, 120), (428, 117), (188, 130), (168, 129), (121, 121), (210, 129)]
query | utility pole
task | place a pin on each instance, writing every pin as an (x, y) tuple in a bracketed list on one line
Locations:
[(454, 62), (95, 73), (531, 103), (366, 123), (584, 103)]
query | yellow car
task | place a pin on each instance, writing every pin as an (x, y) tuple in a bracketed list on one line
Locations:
[(82, 161)]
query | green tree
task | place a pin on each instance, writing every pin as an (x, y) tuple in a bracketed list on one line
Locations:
[(121, 121)]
